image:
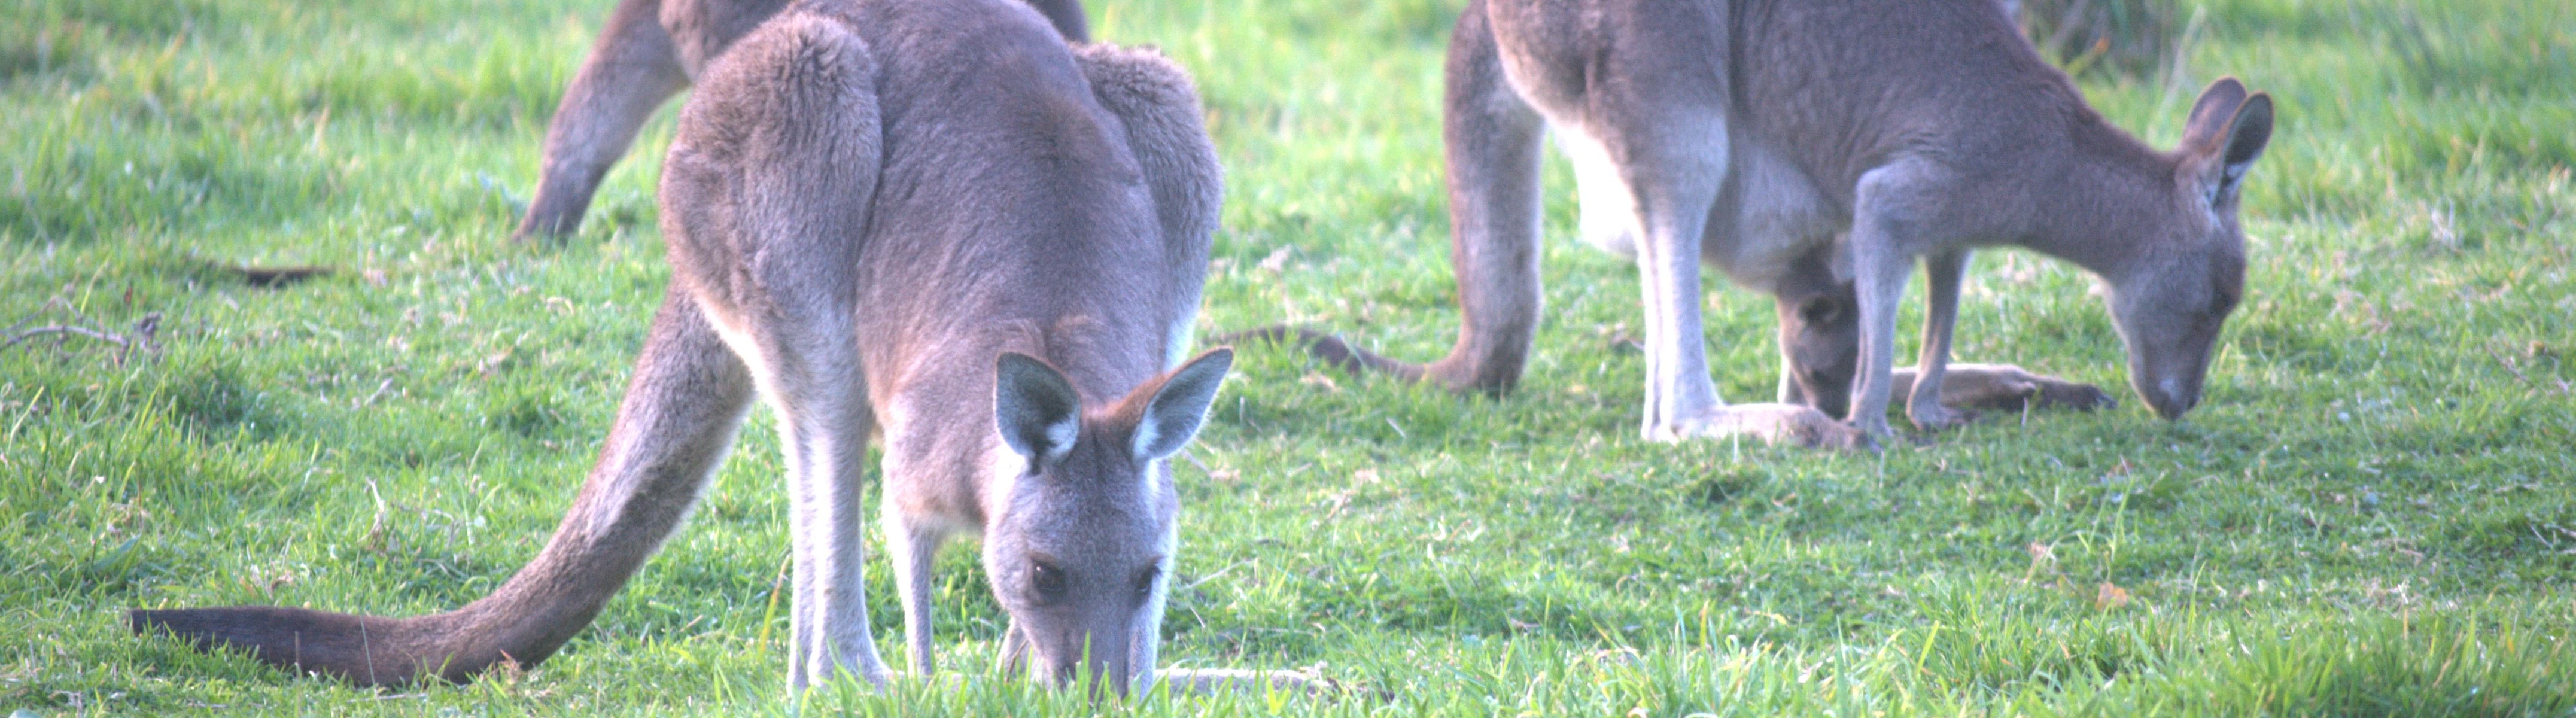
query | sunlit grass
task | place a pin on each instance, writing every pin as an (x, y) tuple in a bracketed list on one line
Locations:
[(2371, 515)]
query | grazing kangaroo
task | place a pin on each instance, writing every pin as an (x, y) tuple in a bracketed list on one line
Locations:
[(929, 218), (1750, 134), (1819, 352), (650, 50)]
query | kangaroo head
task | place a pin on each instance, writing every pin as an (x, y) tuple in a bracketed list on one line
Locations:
[(1819, 332), (1082, 551), (2172, 298)]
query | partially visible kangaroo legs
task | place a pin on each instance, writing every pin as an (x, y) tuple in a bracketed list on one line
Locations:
[(683, 404), (638, 64), (1943, 272), (1819, 351), (634, 68), (1493, 143), (1819, 338)]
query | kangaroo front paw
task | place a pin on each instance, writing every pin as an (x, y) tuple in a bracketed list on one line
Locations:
[(1776, 424)]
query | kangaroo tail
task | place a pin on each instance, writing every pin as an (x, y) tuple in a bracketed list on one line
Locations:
[(1329, 348), (686, 398), (365, 650)]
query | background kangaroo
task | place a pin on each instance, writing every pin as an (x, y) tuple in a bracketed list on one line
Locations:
[(650, 50), (1819, 350), (1748, 135), (927, 218)]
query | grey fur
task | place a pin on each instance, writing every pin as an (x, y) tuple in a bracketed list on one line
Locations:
[(649, 51), (1750, 134), (868, 205)]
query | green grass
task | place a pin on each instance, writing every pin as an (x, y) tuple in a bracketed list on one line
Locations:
[(2370, 515)]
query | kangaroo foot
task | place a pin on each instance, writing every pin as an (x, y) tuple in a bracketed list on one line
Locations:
[(1775, 424), (2005, 387)]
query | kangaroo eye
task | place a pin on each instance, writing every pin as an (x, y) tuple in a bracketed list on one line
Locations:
[(1047, 581), (1145, 580)]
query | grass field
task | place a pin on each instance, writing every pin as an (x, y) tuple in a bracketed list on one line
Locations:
[(2371, 513)]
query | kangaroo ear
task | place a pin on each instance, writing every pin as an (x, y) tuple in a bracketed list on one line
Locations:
[(2210, 115), (1173, 416), (1037, 411), (2246, 138), (2228, 130)]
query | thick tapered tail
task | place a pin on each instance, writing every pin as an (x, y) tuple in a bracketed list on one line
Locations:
[(685, 400), (1329, 348), (364, 650)]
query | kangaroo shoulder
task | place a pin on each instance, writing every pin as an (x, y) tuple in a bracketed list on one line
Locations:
[(802, 70), (1159, 106), (797, 53), (1134, 79)]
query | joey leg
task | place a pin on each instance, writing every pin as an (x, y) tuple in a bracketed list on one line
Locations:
[(805, 362)]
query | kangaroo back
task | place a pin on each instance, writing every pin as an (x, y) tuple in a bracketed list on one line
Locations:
[(649, 51)]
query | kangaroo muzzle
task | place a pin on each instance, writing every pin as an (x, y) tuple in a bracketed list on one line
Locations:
[(2170, 397), (1095, 659)]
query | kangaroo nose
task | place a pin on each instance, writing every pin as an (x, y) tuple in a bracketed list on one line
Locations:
[(2172, 400)]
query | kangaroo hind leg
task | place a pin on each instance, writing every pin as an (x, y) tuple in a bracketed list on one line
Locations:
[(628, 74), (1492, 138), (765, 200), (1672, 158)]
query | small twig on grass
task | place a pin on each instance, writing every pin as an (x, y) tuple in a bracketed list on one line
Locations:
[(2508, 364), (139, 337), (1213, 576), (380, 393), (62, 329)]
